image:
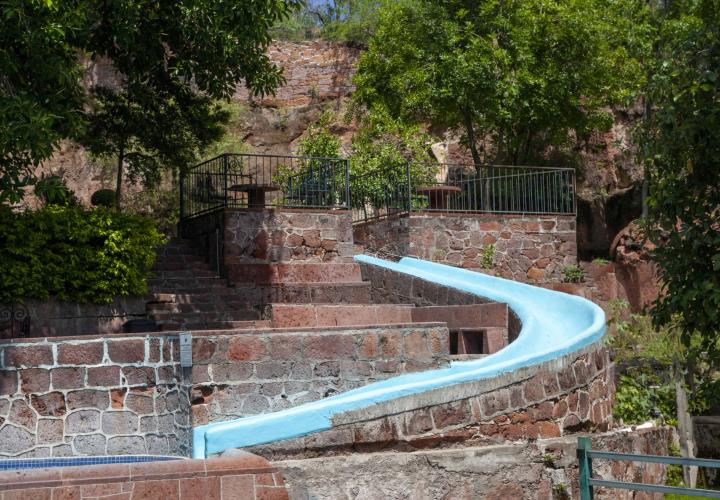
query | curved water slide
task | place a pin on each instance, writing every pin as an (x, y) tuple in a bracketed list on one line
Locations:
[(553, 324)]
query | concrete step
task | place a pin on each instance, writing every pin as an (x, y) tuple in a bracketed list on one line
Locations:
[(184, 273), (176, 263), (322, 315)]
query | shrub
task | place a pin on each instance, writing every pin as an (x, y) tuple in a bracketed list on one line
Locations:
[(487, 257), (573, 274), (103, 198), (53, 191), (74, 254)]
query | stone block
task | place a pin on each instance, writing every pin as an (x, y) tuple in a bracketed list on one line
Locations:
[(90, 353), (50, 430), (495, 402), (27, 356), (82, 422), (246, 348), (132, 445), (533, 390), (416, 346), (8, 382), (34, 380), (15, 439), (126, 351), (68, 378), (285, 347), (22, 414), (103, 376), (451, 414), (88, 398), (51, 404), (231, 372), (119, 422), (329, 346), (139, 375)]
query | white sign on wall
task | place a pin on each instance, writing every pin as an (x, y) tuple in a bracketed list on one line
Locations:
[(185, 349)]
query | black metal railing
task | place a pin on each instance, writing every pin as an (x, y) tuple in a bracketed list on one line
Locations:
[(14, 321), (463, 188), (263, 181)]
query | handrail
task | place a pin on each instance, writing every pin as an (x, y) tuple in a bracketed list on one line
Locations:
[(587, 482)]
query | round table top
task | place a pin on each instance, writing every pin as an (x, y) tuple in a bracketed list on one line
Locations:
[(254, 187)]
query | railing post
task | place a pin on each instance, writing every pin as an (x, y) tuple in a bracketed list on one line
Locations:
[(347, 184), (409, 188), (585, 468), (182, 195), (225, 179)]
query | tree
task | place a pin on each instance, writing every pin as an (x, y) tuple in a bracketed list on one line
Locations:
[(516, 76), (41, 96), (172, 59), (680, 143)]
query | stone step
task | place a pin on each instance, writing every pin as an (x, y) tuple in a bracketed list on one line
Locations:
[(173, 285), (323, 315), (217, 306), (167, 326), (493, 314), (205, 317), (294, 273), (477, 340), (305, 293), (164, 264), (184, 273)]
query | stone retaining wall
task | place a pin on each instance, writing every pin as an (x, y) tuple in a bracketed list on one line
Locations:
[(92, 396), (52, 318), (128, 395), (548, 400), (245, 374), (543, 470), (246, 477), (530, 248)]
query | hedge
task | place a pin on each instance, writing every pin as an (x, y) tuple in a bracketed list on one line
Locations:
[(74, 254)]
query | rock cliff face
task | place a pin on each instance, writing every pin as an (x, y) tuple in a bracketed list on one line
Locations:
[(319, 76)]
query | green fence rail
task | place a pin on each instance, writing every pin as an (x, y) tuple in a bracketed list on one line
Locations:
[(586, 456)]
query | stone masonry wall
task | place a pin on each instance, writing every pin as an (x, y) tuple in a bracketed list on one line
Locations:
[(274, 236), (566, 395), (314, 71), (390, 287), (52, 318), (245, 374), (542, 470), (526, 248), (246, 477), (92, 396)]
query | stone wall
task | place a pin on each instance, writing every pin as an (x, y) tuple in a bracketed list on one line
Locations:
[(245, 374), (92, 396), (389, 287), (530, 248), (314, 71), (128, 395), (52, 318), (566, 395), (246, 477), (276, 245), (543, 470)]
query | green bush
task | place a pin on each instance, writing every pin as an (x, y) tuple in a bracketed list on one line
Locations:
[(74, 254), (53, 191), (573, 274), (103, 198)]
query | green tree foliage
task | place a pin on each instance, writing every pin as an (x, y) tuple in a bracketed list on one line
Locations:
[(516, 76), (40, 93), (172, 58), (680, 141), (74, 254)]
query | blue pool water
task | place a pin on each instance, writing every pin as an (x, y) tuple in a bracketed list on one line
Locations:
[(43, 463)]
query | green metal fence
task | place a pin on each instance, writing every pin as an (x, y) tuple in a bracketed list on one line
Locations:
[(586, 456)]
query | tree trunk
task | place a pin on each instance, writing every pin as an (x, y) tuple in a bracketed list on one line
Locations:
[(118, 184), (685, 427), (472, 143)]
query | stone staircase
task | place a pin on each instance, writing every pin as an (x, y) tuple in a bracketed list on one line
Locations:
[(187, 294)]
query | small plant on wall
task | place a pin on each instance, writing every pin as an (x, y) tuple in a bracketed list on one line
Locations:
[(573, 274), (487, 257)]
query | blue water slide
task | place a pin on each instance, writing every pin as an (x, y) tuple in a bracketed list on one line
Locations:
[(553, 324)]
